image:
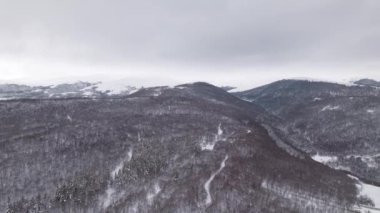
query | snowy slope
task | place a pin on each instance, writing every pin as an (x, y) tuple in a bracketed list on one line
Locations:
[(67, 90)]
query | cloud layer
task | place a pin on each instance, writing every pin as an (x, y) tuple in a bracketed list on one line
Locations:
[(214, 40)]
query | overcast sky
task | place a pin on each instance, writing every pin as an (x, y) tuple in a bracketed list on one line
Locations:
[(235, 42)]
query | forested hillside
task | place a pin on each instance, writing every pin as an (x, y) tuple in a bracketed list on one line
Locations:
[(338, 125), (191, 148)]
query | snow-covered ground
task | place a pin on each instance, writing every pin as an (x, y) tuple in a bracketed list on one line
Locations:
[(112, 88), (108, 198), (110, 192), (324, 159), (209, 145), (330, 108), (120, 166), (371, 111), (370, 191)]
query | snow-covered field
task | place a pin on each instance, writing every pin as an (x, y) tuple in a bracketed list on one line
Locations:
[(370, 191)]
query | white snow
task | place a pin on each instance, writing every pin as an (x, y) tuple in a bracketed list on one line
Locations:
[(114, 88), (67, 93), (117, 169), (331, 108), (370, 111), (130, 155), (220, 131), (109, 197), (109, 194), (153, 193), (317, 99), (5, 98), (158, 91), (69, 118), (324, 159), (248, 100), (371, 191), (88, 93), (209, 145), (208, 182), (180, 87), (120, 166), (37, 90)]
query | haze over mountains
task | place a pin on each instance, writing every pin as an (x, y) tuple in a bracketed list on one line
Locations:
[(190, 148)]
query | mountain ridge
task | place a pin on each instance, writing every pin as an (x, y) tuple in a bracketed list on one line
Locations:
[(192, 148)]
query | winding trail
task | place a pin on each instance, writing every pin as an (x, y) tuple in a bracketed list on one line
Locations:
[(208, 182)]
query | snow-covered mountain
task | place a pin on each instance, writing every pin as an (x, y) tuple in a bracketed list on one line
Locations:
[(337, 125), (69, 90), (189, 148), (368, 82)]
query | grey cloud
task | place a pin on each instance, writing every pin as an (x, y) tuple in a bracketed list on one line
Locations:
[(246, 33)]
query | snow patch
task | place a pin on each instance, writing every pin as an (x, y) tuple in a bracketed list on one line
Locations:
[(37, 90), (371, 111), (207, 185), (153, 193), (371, 191), (108, 200), (130, 155), (117, 169), (248, 100), (220, 131), (112, 88), (158, 91), (317, 99), (120, 166), (331, 108), (110, 192), (324, 159), (88, 93), (138, 137), (180, 87), (209, 145)]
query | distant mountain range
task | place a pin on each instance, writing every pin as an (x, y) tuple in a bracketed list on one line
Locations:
[(367, 82), (72, 90), (189, 148)]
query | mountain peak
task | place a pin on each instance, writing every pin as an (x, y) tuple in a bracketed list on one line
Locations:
[(367, 82)]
